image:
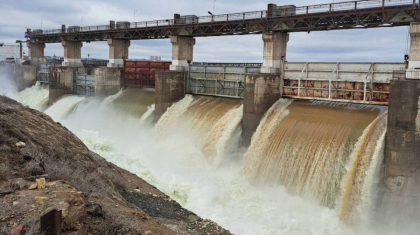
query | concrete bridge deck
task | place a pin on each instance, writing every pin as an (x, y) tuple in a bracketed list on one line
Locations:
[(334, 16)]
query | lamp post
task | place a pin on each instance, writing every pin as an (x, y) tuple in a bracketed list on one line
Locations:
[(135, 15), (21, 48)]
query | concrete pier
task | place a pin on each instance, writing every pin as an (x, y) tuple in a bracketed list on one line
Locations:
[(170, 88), (36, 52), (275, 46), (414, 62), (402, 151), (118, 51), (72, 54), (182, 52), (107, 81), (261, 92)]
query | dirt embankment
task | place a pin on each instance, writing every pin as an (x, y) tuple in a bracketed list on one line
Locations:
[(95, 196)]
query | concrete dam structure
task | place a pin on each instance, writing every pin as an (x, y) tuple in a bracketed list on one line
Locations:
[(342, 137)]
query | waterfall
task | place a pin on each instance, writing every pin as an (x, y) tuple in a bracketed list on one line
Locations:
[(35, 97), (63, 107), (316, 150), (209, 122)]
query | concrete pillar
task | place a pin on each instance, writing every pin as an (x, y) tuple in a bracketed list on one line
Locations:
[(72, 54), (36, 52), (261, 92), (275, 46), (118, 51), (107, 81), (414, 62), (182, 52), (170, 87), (402, 153)]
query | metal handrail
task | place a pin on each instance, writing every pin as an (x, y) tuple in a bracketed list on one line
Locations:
[(242, 16)]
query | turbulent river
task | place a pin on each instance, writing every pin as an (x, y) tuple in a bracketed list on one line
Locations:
[(312, 167)]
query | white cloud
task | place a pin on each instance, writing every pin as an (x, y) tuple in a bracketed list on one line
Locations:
[(346, 45)]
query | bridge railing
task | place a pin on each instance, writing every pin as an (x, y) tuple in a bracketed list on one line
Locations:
[(304, 10), (352, 6)]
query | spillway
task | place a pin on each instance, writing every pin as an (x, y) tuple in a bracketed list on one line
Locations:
[(211, 122), (35, 97), (320, 151), (312, 167), (134, 101)]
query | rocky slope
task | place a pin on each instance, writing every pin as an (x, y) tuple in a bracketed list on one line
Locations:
[(95, 196)]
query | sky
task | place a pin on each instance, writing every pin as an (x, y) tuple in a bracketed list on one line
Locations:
[(357, 45)]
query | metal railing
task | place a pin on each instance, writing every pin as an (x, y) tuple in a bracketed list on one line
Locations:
[(406, 74), (304, 10)]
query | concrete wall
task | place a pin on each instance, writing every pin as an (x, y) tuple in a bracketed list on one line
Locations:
[(107, 81), (170, 88), (261, 92), (24, 75), (61, 81), (402, 152)]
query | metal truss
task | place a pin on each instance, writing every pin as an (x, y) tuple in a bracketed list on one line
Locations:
[(397, 13)]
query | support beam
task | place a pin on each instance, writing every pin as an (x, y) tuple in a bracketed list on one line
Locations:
[(36, 52), (170, 88), (118, 51), (275, 46), (182, 52), (261, 92), (72, 54)]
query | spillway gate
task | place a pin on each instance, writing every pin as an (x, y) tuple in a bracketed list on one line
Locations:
[(84, 85), (220, 79)]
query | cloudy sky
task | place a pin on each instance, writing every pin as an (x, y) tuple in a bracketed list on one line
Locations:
[(361, 45)]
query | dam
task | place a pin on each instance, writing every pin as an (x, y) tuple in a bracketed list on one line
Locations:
[(276, 147)]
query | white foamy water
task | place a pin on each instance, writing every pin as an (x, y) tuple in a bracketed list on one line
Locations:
[(35, 97), (63, 107)]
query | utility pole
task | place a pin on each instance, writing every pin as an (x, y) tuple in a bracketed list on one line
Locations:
[(21, 48)]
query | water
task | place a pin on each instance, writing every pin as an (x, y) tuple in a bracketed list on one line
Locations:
[(8, 86), (176, 164), (35, 97), (210, 122), (175, 157), (319, 151)]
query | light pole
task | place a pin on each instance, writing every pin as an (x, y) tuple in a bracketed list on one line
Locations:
[(21, 48), (135, 15), (81, 22)]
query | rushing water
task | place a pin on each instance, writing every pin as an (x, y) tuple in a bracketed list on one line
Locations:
[(177, 156), (318, 150), (35, 97)]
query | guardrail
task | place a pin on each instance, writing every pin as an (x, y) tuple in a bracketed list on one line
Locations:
[(304, 10)]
